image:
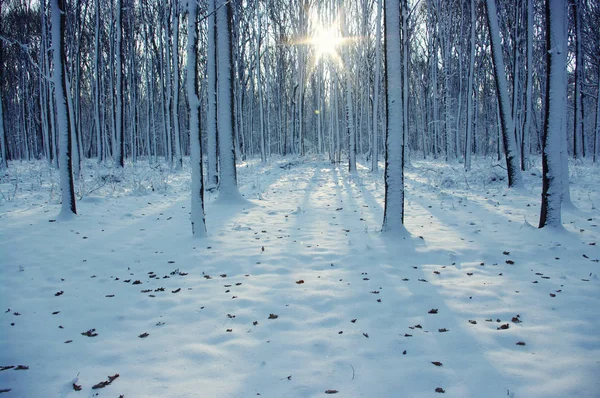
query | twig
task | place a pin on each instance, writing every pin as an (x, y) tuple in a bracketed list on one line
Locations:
[(352, 371)]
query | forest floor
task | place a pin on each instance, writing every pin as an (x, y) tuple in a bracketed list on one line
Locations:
[(296, 293)]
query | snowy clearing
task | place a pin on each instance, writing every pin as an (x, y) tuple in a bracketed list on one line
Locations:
[(296, 293)]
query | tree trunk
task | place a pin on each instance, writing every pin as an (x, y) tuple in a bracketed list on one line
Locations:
[(525, 139), (68, 207), (120, 114), (197, 212), (175, 105), (578, 143), (228, 189), (374, 132), (515, 178), (211, 123), (393, 215), (349, 105), (470, 91), (556, 60)]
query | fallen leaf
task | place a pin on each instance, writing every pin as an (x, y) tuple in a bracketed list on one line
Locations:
[(143, 335), (331, 391), (76, 387), (472, 322), (301, 281), (90, 333), (436, 363), (440, 390), (59, 293), (273, 316), (433, 311), (520, 343), (443, 330), (366, 335), (504, 326)]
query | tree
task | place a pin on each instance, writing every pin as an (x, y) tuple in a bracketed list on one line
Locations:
[(349, 105), (507, 122), (228, 189), (120, 111), (393, 214), (578, 145), (211, 90), (175, 105), (65, 163), (375, 145), (555, 114), (470, 90), (197, 214)]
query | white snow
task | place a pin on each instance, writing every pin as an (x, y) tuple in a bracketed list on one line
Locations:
[(319, 225)]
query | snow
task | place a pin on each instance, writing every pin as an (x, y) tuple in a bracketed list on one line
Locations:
[(305, 220)]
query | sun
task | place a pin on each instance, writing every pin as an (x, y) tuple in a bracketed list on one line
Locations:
[(326, 41)]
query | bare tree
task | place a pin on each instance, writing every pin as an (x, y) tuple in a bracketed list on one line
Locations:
[(555, 115), (393, 215), (68, 207)]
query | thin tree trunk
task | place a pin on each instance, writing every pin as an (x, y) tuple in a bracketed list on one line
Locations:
[(374, 132), (175, 105), (197, 212), (506, 121), (525, 140), (470, 91), (211, 61), (349, 105)]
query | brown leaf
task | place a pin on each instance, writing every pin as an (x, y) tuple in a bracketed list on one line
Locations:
[(443, 330), (552, 295), (366, 335), (176, 290), (436, 363), (76, 387), (510, 262), (90, 333), (102, 384), (331, 391), (301, 281), (472, 322), (433, 311), (143, 335), (273, 316), (504, 326), (22, 367), (440, 390), (520, 343)]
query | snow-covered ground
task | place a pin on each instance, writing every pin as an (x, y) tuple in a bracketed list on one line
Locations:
[(296, 293)]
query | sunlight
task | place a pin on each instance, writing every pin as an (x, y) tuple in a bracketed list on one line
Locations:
[(325, 41)]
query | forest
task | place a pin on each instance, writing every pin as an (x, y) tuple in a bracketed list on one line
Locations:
[(386, 197)]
